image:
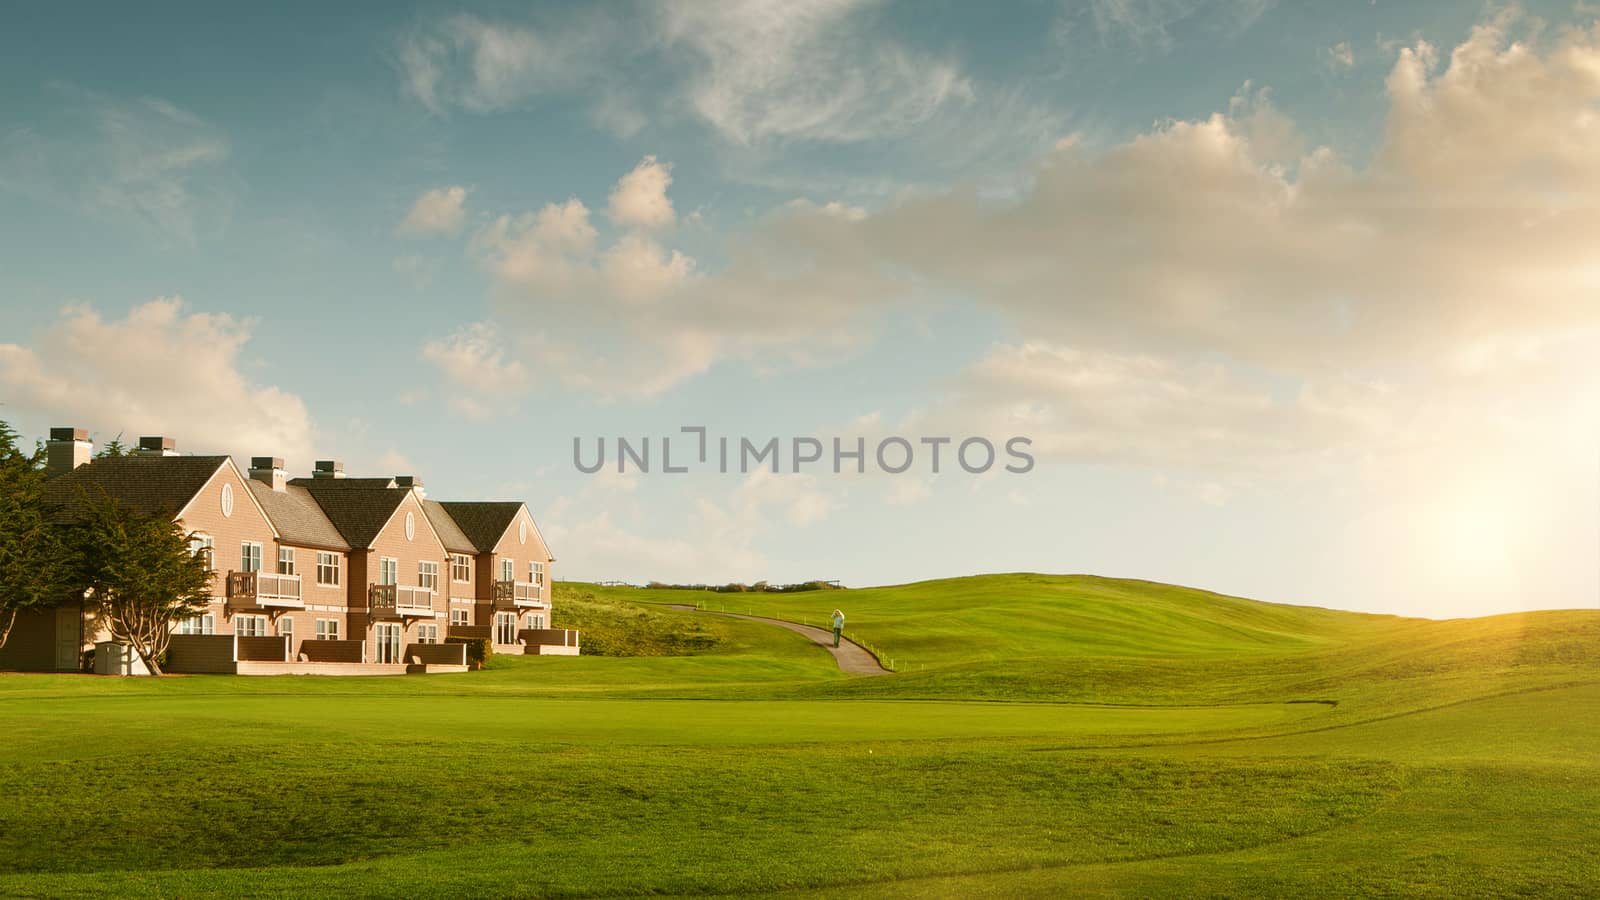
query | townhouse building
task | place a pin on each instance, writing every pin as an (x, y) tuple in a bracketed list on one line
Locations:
[(321, 574)]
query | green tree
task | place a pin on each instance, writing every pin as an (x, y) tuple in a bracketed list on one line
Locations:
[(141, 571), (32, 558)]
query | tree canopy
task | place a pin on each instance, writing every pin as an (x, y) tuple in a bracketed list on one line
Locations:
[(34, 569)]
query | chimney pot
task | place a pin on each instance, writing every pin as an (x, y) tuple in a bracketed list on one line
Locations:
[(328, 468), (270, 471), (67, 449), (156, 445)]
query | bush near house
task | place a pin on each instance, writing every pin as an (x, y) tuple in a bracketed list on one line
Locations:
[(479, 650)]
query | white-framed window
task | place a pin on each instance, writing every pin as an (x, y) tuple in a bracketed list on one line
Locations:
[(250, 556), (536, 572), (286, 629), (286, 561), (327, 629), (508, 570), (428, 575), (388, 570), (203, 624), (388, 642), (533, 620), (328, 569), (250, 626), (460, 567), (427, 634), (458, 617), (202, 546), (505, 628)]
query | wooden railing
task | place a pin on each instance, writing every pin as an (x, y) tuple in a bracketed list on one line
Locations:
[(519, 593), (264, 589), (399, 600)]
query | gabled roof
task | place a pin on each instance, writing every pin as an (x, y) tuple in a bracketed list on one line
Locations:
[(358, 513), (298, 517), (483, 521), (148, 484), (450, 534)]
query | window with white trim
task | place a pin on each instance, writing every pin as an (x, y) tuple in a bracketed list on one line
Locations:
[(428, 575), (250, 626), (536, 572), (388, 570), (533, 620), (250, 556), (327, 629), (203, 624), (286, 561), (460, 567), (458, 617), (427, 634), (286, 629), (202, 546), (508, 570), (328, 569)]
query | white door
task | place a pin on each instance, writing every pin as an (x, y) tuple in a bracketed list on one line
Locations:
[(69, 643), (505, 628), (388, 643)]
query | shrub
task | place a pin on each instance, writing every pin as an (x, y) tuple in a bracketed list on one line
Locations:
[(479, 650)]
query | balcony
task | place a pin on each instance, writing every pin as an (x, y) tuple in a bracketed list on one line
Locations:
[(261, 590), (397, 601), (519, 594)]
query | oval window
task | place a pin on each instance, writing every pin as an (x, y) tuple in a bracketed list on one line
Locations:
[(522, 533), (227, 500), (411, 526)]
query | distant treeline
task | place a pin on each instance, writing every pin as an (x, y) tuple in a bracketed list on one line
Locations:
[(760, 587)]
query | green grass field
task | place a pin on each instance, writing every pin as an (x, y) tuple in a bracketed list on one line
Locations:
[(1044, 736)]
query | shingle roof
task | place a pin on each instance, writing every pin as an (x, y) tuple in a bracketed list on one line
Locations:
[(483, 522), (359, 513), (455, 540), (298, 517), (343, 482), (148, 484)]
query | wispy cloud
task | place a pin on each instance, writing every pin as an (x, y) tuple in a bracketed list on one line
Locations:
[(143, 162), (439, 211)]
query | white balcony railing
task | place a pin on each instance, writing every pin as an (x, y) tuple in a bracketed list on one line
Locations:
[(264, 589), (400, 599), (519, 593)]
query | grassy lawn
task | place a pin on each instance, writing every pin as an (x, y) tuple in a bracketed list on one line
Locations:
[(1046, 736)]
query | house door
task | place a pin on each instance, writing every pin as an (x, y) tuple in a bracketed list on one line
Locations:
[(69, 642), (505, 628), (388, 642)]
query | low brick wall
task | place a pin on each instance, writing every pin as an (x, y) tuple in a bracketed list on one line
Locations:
[(332, 651), (555, 637), (263, 649), (437, 654), (201, 653)]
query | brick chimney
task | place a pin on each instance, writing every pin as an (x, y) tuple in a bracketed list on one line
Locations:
[(412, 482), (67, 449), (157, 446), (269, 471), (328, 468)]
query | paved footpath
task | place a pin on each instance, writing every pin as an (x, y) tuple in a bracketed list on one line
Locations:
[(852, 657)]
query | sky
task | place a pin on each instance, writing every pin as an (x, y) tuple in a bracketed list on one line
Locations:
[(1298, 302)]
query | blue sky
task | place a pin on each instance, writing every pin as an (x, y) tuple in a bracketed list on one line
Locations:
[(1296, 301)]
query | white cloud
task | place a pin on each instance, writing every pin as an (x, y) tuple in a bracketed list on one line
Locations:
[(160, 370), (146, 163), (465, 62), (805, 70), (478, 367), (1151, 23), (1342, 55), (640, 197), (439, 211)]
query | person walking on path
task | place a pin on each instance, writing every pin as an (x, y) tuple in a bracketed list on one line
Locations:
[(838, 626)]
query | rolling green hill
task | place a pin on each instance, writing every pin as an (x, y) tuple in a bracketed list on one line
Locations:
[(1045, 736)]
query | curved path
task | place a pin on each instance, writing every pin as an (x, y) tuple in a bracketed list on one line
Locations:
[(852, 657)]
